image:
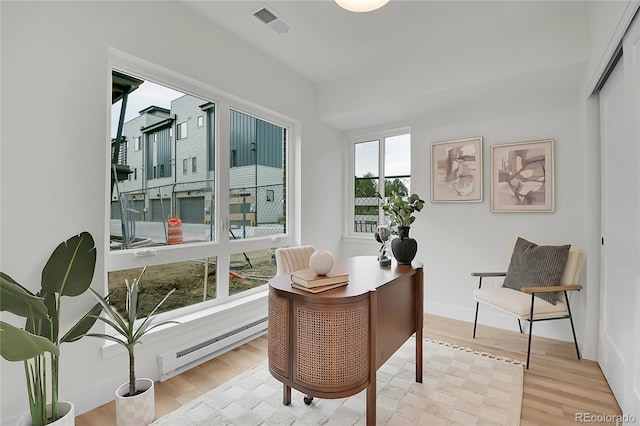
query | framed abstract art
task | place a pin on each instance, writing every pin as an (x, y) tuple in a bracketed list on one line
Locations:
[(522, 177), (456, 170)]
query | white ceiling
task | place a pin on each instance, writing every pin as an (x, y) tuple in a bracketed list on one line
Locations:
[(336, 49)]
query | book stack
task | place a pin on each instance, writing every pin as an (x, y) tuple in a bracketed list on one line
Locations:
[(308, 280)]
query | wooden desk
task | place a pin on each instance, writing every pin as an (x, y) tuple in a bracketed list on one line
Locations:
[(330, 344)]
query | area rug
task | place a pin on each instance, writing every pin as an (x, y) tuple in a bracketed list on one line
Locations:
[(460, 387)]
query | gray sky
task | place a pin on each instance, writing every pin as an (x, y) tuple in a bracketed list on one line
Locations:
[(397, 156), (144, 96)]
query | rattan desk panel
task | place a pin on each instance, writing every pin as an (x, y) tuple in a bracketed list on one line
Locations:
[(331, 344)]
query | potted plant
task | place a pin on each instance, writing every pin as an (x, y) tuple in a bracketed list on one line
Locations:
[(401, 210), (68, 272), (135, 400)]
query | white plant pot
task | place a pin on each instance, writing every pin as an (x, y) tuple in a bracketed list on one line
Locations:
[(136, 410), (65, 410)]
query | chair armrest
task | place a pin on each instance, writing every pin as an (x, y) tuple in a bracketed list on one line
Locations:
[(488, 274), (552, 288)]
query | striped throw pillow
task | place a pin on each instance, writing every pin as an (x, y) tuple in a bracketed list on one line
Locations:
[(536, 266)]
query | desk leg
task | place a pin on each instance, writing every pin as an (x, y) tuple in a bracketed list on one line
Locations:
[(286, 394), (419, 356), (419, 322), (373, 351), (371, 403)]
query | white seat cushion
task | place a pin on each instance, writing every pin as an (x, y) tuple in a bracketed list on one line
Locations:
[(518, 303)]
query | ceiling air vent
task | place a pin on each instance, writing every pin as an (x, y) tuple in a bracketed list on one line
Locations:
[(269, 17), (265, 15)]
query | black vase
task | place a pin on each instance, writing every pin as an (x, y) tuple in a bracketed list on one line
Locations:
[(404, 248)]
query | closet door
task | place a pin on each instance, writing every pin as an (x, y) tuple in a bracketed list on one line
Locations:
[(631, 47), (620, 256)]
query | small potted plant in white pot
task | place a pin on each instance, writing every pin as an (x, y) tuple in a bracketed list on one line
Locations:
[(135, 400)]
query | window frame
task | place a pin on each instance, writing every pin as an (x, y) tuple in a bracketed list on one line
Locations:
[(223, 246), (353, 139), (180, 134)]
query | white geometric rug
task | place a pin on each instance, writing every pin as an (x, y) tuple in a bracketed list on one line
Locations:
[(460, 387)]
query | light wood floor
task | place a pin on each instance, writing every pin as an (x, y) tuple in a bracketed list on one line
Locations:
[(556, 386)]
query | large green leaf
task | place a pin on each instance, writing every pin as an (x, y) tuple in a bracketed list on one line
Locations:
[(19, 345), (83, 325), (18, 300), (45, 325), (70, 268)]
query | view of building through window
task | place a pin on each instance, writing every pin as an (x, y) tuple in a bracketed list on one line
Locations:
[(163, 185), (142, 206), (389, 157)]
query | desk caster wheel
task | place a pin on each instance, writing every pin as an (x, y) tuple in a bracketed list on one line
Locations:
[(307, 399)]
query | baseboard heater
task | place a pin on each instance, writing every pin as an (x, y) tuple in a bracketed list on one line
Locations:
[(175, 362)]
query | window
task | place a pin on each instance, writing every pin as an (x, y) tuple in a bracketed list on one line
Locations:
[(366, 186), (381, 161), (257, 159), (270, 195), (182, 130), (211, 258)]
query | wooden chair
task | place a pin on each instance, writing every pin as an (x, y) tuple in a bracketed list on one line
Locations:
[(289, 259), (525, 305)]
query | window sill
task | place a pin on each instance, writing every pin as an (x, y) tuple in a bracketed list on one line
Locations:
[(368, 240), (193, 321)]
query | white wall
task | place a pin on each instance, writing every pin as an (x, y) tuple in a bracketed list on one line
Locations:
[(55, 106)]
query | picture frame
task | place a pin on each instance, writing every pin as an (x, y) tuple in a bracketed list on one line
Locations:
[(456, 171), (522, 177)]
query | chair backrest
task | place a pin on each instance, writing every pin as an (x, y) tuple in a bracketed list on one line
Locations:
[(572, 271), (289, 259)]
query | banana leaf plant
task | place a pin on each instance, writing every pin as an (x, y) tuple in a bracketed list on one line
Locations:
[(68, 272), (128, 331)]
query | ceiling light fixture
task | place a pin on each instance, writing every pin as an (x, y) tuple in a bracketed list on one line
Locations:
[(361, 5)]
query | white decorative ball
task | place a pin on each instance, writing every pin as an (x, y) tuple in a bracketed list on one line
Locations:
[(321, 262)]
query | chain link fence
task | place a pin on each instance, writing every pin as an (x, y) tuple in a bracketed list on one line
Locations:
[(139, 218)]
